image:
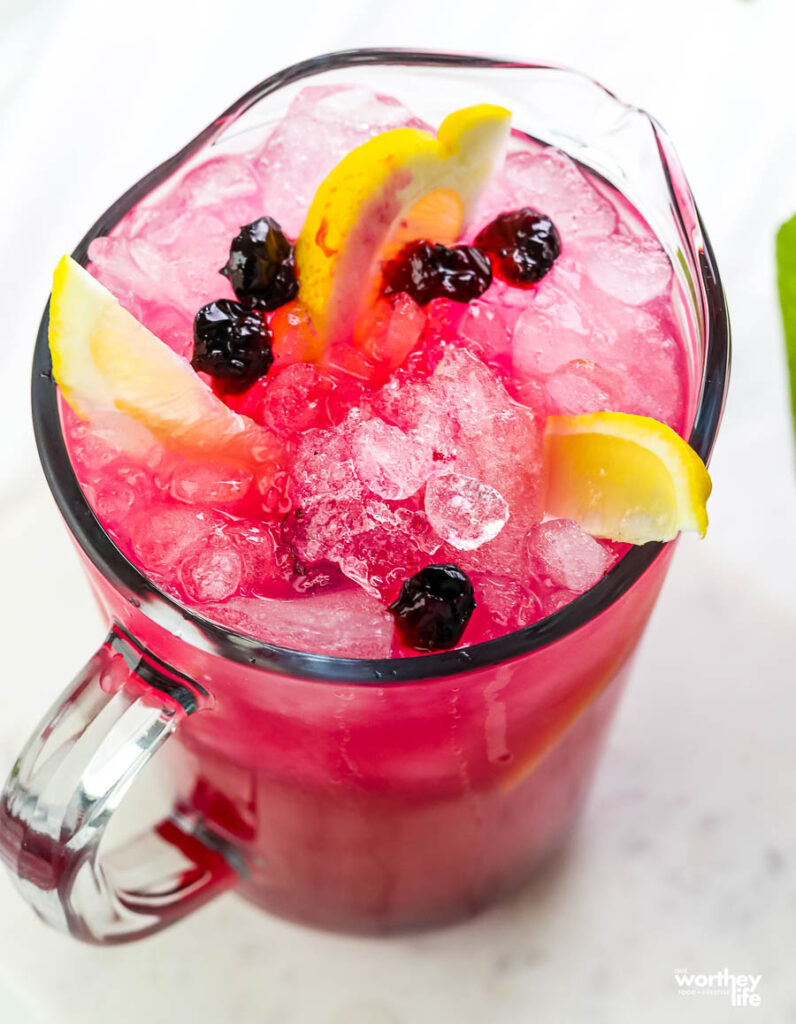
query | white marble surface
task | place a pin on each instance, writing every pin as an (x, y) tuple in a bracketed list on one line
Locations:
[(686, 857)]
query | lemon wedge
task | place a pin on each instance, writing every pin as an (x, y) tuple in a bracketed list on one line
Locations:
[(397, 187), (105, 361), (623, 477)]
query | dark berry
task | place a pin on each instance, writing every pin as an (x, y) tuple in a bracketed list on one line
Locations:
[(260, 267), (427, 270), (434, 607), (231, 343), (523, 245)]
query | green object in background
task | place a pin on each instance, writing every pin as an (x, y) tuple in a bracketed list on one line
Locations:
[(786, 281)]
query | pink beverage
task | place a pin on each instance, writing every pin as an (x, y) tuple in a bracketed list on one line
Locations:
[(363, 769), (430, 452)]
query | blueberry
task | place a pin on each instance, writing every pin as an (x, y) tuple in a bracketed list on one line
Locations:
[(231, 343), (434, 607), (260, 267), (427, 270), (523, 245)]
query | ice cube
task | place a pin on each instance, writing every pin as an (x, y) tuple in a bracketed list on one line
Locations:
[(498, 197), (508, 604), (193, 245), (465, 413), (500, 443), (205, 483), (443, 317), (91, 451), (378, 555), (464, 418), (414, 523), (221, 194), (112, 500), (390, 463), (372, 543), (294, 399), (553, 330), (501, 193), (357, 107), (322, 125), (323, 467), (484, 329), (415, 407), (658, 384), (467, 387), (385, 335), (211, 574), (633, 270), (174, 260), (339, 520), (98, 444), (461, 387), (162, 536), (345, 623), (263, 557), (553, 598), (582, 386), (549, 181), (503, 555), (227, 186), (532, 393), (559, 551), (652, 363), (173, 326), (463, 511), (114, 264)]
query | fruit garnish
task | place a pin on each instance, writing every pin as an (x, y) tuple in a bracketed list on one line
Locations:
[(434, 607), (294, 337), (105, 361), (260, 267), (231, 343), (398, 187), (623, 477), (523, 245), (427, 271), (438, 215)]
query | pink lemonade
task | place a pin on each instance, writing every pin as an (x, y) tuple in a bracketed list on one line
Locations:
[(378, 807), (431, 451)]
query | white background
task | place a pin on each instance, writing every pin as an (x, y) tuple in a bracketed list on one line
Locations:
[(686, 856)]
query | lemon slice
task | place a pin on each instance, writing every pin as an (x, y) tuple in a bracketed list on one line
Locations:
[(105, 361), (399, 186), (626, 478)]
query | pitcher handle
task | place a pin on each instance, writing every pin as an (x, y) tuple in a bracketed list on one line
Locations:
[(71, 777)]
